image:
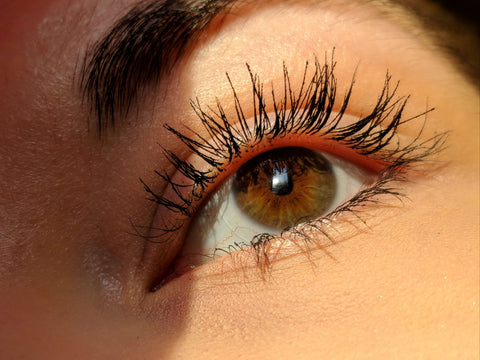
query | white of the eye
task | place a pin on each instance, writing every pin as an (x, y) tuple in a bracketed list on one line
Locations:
[(221, 223)]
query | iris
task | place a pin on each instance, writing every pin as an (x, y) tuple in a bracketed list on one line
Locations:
[(282, 187)]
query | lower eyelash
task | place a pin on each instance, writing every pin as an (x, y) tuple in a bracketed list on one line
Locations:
[(385, 185), (307, 112)]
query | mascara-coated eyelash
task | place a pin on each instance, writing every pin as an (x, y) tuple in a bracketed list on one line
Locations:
[(309, 111)]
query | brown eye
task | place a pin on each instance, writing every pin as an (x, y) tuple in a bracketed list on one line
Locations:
[(282, 187), (273, 191)]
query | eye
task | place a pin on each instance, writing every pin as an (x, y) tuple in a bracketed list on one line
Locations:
[(228, 194), (273, 191)]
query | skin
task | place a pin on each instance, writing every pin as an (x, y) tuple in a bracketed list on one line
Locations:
[(72, 283)]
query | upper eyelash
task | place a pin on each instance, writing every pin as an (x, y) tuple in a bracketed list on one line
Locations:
[(310, 112)]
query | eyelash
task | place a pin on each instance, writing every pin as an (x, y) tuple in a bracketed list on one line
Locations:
[(309, 112)]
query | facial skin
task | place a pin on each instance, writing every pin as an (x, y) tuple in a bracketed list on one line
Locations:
[(75, 283)]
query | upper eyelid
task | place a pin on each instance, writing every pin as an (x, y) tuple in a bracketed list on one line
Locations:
[(172, 25), (366, 136)]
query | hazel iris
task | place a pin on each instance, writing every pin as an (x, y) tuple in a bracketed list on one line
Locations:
[(285, 186)]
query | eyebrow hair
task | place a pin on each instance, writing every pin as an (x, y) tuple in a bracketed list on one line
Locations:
[(149, 40), (141, 47)]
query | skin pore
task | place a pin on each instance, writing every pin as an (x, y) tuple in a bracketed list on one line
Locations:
[(75, 282)]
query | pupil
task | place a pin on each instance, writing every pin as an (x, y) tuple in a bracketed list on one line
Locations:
[(281, 182)]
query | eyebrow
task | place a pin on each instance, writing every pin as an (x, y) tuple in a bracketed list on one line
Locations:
[(147, 42), (140, 48)]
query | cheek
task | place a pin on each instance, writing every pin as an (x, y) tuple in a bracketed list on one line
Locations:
[(53, 323), (372, 291), (33, 321)]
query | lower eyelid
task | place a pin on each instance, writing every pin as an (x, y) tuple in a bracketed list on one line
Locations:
[(310, 241)]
